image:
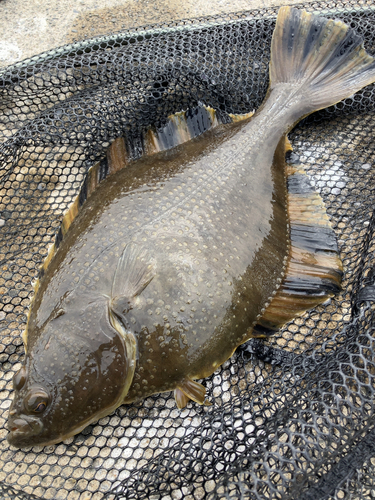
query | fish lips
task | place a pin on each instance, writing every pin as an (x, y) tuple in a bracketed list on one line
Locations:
[(23, 429)]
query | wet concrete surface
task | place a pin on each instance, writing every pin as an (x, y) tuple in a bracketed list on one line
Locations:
[(29, 28)]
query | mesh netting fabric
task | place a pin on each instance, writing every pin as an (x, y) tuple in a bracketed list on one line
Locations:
[(292, 417)]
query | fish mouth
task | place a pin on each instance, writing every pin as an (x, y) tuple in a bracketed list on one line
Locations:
[(23, 430)]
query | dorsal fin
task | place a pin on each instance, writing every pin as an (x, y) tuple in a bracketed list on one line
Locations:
[(180, 127), (314, 269)]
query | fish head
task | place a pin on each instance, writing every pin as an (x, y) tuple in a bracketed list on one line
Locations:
[(65, 383)]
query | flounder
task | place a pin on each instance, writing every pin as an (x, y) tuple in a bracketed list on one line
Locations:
[(161, 270)]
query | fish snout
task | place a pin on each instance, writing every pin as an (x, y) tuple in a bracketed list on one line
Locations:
[(23, 429)]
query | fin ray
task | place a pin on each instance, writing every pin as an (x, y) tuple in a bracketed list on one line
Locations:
[(193, 390), (181, 398), (135, 270), (324, 57), (186, 125), (314, 269)]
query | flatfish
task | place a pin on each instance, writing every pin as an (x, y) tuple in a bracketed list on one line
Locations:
[(164, 265)]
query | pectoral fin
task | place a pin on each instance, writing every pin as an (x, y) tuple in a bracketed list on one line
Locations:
[(135, 270), (189, 389)]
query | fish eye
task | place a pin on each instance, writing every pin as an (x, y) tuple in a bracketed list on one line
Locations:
[(19, 378), (36, 401), (40, 407)]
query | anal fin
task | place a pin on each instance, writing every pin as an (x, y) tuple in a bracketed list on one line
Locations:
[(314, 270), (189, 389)]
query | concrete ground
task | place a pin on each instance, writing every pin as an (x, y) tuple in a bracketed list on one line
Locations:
[(30, 27)]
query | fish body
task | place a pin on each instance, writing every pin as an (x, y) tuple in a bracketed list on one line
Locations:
[(185, 220), (173, 261)]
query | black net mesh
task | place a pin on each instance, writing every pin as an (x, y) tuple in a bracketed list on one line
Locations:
[(292, 417)]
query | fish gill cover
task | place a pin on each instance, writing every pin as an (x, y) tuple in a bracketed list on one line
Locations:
[(293, 416)]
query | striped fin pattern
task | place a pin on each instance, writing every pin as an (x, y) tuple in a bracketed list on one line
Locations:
[(314, 269), (322, 57)]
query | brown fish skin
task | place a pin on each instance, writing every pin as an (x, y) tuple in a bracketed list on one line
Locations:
[(195, 235), (168, 266), (187, 209)]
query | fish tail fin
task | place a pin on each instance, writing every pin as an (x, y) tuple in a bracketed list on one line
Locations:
[(324, 59)]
